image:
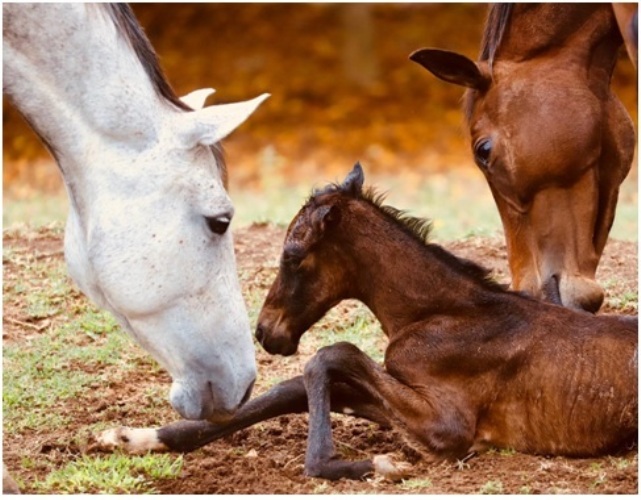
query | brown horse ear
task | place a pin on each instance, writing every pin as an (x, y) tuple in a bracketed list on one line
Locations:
[(451, 67), (353, 183)]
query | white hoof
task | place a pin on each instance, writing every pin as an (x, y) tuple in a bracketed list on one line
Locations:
[(134, 441), (385, 467)]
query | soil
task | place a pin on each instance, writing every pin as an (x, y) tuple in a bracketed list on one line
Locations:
[(268, 458)]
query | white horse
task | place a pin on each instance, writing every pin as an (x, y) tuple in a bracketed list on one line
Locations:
[(147, 234)]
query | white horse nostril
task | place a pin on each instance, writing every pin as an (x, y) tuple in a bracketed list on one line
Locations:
[(248, 393)]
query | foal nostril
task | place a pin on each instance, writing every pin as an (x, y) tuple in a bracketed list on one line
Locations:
[(260, 334), (248, 393)]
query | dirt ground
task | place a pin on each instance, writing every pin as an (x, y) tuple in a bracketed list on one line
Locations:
[(268, 458)]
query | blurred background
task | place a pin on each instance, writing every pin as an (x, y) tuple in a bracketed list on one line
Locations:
[(343, 89)]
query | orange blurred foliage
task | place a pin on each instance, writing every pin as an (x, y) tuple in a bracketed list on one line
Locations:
[(342, 85)]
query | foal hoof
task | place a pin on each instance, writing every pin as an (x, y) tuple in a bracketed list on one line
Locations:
[(134, 441), (392, 471)]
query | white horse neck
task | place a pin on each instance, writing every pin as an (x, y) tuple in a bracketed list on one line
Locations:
[(77, 79)]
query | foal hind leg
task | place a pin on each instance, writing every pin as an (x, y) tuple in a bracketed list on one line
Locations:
[(345, 363), (187, 435)]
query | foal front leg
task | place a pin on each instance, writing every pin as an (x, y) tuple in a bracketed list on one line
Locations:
[(343, 364), (188, 435), (442, 431)]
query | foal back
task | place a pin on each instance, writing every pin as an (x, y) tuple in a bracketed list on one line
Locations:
[(545, 394)]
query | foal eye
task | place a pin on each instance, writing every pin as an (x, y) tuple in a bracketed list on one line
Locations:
[(291, 261), (218, 224), (482, 153)]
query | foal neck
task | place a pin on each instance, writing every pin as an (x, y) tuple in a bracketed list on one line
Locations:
[(403, 279)]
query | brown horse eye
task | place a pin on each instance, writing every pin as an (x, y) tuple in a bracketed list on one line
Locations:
[(482, 153), (218, 225)]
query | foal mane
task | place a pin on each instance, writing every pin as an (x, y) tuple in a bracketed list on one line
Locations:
[(127, 25), (417, 228)]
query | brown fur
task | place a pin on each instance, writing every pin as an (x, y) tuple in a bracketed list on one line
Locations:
[(561, 142), (469, 365)]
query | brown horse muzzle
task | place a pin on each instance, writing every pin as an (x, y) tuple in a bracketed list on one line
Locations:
[(575, 292), (579, 292)]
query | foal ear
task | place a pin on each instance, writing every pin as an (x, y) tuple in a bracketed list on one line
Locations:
[(353, 183), (209, 125), (451, 67), (325, 217), (197, 98)]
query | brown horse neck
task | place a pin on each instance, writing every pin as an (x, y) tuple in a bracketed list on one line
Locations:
[(587, 33), (400, 278)]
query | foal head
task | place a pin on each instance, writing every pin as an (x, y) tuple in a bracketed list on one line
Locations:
[(552, 140), (315, 271)]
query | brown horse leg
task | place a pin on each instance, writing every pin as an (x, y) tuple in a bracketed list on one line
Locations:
[(444, 431), (187, 435)]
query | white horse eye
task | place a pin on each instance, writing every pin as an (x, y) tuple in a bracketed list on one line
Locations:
[(218, 224)]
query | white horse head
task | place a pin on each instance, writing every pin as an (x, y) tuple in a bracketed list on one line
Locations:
[(147, 235)]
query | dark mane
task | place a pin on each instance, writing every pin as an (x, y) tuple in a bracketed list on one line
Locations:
[(416, 227), (128, 26), (498, 18)]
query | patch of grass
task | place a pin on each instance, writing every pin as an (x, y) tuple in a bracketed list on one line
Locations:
[(320, 488), (626, 300), (601, 479), (113, 474), (52, 367), (492, 488), (357, 326), (44, 293), (416, 484), (36, 210), (622, 463)]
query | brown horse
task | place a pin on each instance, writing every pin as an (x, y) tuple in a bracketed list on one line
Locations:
[(552, 139), (469, 364)]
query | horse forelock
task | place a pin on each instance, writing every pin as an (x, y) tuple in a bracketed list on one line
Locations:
[(128, 27), (498, 19)]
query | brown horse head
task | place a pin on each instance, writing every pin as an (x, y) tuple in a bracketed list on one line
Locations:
[(313, 276), (552, 139)]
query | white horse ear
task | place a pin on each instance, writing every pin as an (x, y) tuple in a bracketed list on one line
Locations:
[(209, 125), (197, 98)]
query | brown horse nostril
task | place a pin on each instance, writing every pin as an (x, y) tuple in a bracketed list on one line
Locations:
[(260, 334), (551, 291)]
